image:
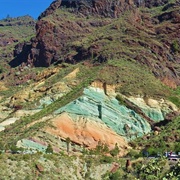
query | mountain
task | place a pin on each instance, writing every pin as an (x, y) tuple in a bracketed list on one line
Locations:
[(90, 29), (12, 32), (90, 78)]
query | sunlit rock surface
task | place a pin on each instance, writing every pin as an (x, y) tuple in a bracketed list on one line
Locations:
[(85, 131), (156, 110), (95, 104)]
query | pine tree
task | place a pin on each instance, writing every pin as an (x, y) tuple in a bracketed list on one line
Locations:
[(68, 140), (114, 152), (49, 149)]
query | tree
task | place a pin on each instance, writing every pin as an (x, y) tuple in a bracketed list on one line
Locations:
[(14, 149), (114, 152), (101, 148), (8, 18), (175, 46), (105, 148), (49, 149), (68, 140)]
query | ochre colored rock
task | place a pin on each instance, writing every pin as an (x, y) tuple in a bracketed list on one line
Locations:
[(2, 86), (85, 132), (155, 109), (72, 75), (39, 167), (108, 89)]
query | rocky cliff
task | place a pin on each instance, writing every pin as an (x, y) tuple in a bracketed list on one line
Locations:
[(102, 8), (36, 115), (72, 31)]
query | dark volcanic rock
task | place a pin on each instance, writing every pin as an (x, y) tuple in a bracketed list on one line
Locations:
[(103, 8), (50, 43), (174, 16), (21, 53), (54, 5), (60, 38), (151, 3)]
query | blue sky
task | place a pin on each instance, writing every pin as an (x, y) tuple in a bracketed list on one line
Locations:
[(16, 8)]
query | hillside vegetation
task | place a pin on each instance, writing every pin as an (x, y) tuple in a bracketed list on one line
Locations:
[(91, 91), (12, 32)]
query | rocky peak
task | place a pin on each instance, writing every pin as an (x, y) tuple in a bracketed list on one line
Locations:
[(53, 6), (99, 7), (105, 8), (18, 21)]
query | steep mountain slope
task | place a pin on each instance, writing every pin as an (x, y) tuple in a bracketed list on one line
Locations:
[(13, 31), (113, 67), (86, 31)]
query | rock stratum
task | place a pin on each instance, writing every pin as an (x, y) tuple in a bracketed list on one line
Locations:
[(94, 116), (95, 71)]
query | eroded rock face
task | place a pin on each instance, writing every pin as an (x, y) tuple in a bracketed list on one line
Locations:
[(85, 131), (156, 110), (103, 8), (50, 43), (94, 104), (151, 3), (108, 89)]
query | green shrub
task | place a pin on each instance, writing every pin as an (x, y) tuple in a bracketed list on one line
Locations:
[(26, 157), (177, 147), (101, 148), (175, 46), (106, 159), (114, 152), (114, 176), (153, 151), (49, 149), (153, 170), (134, 154), (120, 99), (174, 174), (175, 100)]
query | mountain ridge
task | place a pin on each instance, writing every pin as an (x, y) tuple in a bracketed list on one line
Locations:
[(46, 50)]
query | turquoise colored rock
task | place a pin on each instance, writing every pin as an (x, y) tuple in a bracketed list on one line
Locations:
[(2, 128), (154, 114), (94, 103), (154, 109), (45, 101), (28, 144)]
